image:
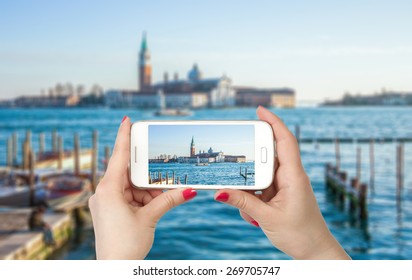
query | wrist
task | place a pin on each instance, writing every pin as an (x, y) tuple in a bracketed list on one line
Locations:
[(324, 246)]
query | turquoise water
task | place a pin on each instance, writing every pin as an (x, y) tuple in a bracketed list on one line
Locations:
[(212, 174), (205, 229)]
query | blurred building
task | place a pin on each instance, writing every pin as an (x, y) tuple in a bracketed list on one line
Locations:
[(193, 92), (46, 101), (276, 97)]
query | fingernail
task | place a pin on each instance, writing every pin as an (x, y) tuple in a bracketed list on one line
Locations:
[(124, 118), (189, 194), (223, 197), (253, 222)]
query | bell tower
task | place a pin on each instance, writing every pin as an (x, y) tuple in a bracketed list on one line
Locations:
[(145, 68), (192, 148)]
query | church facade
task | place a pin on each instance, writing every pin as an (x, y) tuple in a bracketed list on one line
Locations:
[(193, 92)]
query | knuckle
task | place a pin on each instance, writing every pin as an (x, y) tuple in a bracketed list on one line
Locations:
[(242, 203), (91, 201), (170, 202)]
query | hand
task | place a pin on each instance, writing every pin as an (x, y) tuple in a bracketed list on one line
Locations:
[(124, 218), (287, 211)]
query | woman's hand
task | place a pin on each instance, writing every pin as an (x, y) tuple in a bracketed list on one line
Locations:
[(287, 211), (124, 218)]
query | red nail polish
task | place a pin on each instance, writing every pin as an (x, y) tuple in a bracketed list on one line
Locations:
[(124, 118), (189, 194), (253, 222), (223, 197)]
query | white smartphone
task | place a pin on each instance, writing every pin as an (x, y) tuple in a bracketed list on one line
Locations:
[(202, 154)]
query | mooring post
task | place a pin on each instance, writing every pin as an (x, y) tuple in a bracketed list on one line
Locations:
[(25, 154), (28, 137), (363, 191), (297, 134), (10, 151), (355, 187), (31, 177), (337, 154), (76, 154), (60, 153), (173, 178), (372, 163), (186, 179), (178, 180), (41, 143), (167, 178), (106, 157), (15, 148), (54, 141), (399, 169), (358, 163), (94, 159), (245, 175)]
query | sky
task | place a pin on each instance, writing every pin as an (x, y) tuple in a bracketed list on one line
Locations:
[(320, 48), (176, 139)]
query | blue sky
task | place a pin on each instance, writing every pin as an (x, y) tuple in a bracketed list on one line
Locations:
[(320, 48), (176, 139)]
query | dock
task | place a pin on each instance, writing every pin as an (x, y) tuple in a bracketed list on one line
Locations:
[(17, 242), (157, 178), (70, 177)]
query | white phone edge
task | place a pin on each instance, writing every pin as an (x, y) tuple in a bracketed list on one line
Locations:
[(264, 171)]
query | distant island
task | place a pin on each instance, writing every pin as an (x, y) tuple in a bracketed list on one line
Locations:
[(383, 98)]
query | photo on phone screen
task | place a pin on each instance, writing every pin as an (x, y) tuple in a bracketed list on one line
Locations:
[(202, 154)]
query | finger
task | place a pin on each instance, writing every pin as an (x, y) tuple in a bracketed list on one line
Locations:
[(248, 218), (286, 145), (119, 161), (269, 193), (166, 201), (243, 201)]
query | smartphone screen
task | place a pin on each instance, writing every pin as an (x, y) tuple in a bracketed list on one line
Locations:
[(201, 154)]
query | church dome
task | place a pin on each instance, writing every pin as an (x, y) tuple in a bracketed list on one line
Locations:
[(194, 74)]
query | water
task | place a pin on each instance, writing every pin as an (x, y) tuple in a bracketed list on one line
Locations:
[(205, 229), (213, 174)]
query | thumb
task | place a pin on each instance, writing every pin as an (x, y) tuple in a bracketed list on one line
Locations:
[(162, 203), (245, 202)]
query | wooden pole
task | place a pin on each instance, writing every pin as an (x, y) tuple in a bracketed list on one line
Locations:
[(15, 148), (41, 143), (355, 185), (10, 152), (24, 157), (60, 153), (173, 177), (372, 163), (31, 177), (167, 178), (399, 169), (54, 141), (94, 159), (363, 191), (337, 154), (358, 163), (159, 175), (28, 137), (186, 179), (106, 157), (76, 154), (297, 134)]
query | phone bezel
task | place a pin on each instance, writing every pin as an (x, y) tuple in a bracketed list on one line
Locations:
[(139, 148)]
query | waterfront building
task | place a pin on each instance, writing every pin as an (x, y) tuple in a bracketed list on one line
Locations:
[(38, 101), (193, 92), (207, 157), (274, 97)]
